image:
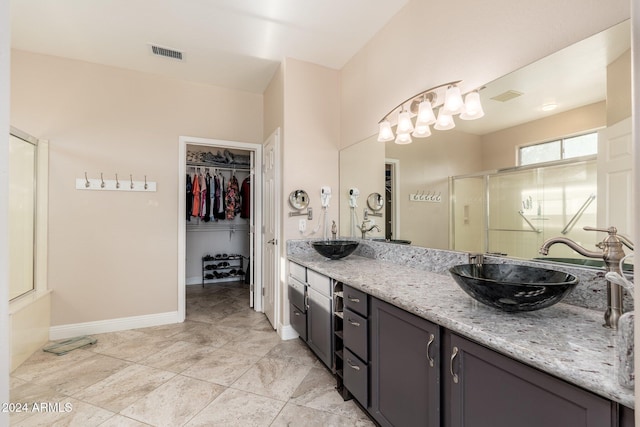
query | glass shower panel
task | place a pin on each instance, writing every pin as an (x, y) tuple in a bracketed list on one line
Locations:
[(516, 213), (22, 192), (468, 213), (570, 193)]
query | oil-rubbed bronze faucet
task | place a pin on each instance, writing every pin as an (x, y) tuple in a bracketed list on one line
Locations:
[(612, 253)]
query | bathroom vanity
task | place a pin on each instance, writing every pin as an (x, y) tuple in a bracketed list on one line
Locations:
[(416, 350)]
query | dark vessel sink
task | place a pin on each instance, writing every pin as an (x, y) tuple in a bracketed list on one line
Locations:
[(335, 249), (513, 287)]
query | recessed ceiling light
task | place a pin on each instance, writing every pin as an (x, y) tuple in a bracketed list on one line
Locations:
[(549, 106)]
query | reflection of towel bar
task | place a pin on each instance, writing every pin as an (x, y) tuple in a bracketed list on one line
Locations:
[(533, 228), (578, 214), (519, 231)]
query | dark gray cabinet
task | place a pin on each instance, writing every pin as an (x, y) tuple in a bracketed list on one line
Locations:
[(484, 388), (627, 417), (320, 326), (355, 326), (405, 368), (311, 310), (407, 371)]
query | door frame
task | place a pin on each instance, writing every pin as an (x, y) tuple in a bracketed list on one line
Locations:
[(395, 196), (256, 177)]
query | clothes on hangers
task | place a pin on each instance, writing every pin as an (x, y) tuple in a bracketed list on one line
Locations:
[(232, 198), (245, 197), (189, 197), (204, 195), (207, 207), (219, 211), (196, 196)]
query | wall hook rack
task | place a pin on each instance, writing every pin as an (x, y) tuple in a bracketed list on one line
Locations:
[(102, 184), (431, 196)]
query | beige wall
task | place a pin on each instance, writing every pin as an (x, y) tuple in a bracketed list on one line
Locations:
[(499, 149), (112, 254), (429, 43), (309, 147), (619, 89), (273, 104), (425, 165)]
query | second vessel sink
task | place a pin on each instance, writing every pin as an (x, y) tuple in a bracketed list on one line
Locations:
[(513, 287)]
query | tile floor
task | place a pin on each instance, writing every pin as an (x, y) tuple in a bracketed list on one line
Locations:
[(224, 366)]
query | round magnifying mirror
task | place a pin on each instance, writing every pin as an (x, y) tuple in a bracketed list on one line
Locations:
[(375, 202), (299, 199)]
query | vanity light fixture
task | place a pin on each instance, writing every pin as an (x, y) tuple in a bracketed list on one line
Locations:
[(446, 96)]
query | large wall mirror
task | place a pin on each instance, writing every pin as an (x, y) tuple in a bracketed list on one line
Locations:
[(589, 84)]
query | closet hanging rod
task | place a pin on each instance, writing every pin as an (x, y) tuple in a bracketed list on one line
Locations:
[(224, 168), (200, 227)]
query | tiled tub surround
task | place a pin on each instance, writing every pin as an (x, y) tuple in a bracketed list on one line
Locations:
[(565, 340)]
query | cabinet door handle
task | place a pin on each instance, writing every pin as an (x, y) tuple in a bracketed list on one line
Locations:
[(296, 313), (306, 300), (352, 299), (352, 322), (352, 366), (454, 353), (431, 339)]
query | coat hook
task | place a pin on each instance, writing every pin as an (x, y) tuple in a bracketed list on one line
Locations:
[(87, 184), (131, 179), (117, 182), (101, 181), (145, 182)]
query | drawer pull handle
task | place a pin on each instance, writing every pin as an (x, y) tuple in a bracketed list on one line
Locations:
[(453, 356), (352, 299), (297, 313), (352, 366), (353, 323), (431, 339)]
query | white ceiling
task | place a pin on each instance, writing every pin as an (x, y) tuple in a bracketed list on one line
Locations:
[(231, 43)]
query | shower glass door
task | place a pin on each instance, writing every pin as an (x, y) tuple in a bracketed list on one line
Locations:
[(22, 206)]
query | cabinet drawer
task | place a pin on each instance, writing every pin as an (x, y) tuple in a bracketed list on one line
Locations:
[(355, 329), (356, 378), (296, 294), (298, 271), (298, 321), (319, 282), (356, 300)]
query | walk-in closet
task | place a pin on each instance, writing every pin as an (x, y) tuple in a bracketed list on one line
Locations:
[(219, 211)]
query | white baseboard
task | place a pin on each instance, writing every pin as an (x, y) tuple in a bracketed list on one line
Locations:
[(112, 325), (287, 332), (197, 280)]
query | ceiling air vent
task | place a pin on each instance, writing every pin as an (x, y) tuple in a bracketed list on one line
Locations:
[(166, 52), (507, 96)]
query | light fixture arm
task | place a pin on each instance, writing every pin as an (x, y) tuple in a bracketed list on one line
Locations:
[(430, 94)]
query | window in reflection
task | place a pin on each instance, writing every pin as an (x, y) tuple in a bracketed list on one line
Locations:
[(560, 149)]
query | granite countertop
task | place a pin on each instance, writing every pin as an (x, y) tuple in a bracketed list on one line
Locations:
[(564, 340)]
